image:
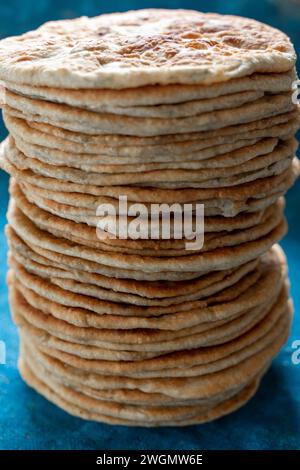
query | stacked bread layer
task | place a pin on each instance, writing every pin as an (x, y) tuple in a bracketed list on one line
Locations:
[(145, 331)]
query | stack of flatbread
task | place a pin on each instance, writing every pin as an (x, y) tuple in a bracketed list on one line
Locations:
[(163, 107)]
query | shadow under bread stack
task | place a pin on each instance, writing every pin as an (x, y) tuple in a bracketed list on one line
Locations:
[(163, 107)]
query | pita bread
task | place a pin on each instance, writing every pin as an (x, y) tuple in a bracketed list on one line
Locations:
[(202, 361), (58, 276), (88, 122), (275, 162), (23, 195), (185, 109), (165, 293), (87, 309), (162, 366), (205, 48), (104, 384), (32, 143), (143, 340), (218, 231), (71, 263), (212, 157), (184, 363), (220, 258), (130, 397), (260, 188), (172, 144), (143, 332), (88, 203), (60, 400), (104, 100), (206, 387)]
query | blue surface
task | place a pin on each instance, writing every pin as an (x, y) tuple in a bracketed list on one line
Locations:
[(272, 418)]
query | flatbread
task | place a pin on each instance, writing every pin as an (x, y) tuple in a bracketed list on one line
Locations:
[(84, 280), (80, 378), (220, 258), (212, 157), (213, 207), (143, 340), (90, 308), (61, 401), (202, 386), (219, 231), (88, 122), (162, 106), (264, 165), (260, 188), (133, 49), (52, 149), (158, 293), (172, 144), (152, 97), (101, 303), (184, 363), (185, 109), (130, 397)]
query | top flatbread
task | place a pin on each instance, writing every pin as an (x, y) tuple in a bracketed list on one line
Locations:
[(145, 47)]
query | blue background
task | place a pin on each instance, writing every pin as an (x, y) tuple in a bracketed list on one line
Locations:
[(272, 419)]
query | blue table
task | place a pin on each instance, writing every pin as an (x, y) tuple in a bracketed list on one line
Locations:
[(271, 420)]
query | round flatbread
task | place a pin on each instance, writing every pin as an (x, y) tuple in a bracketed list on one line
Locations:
[(144, 47)]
